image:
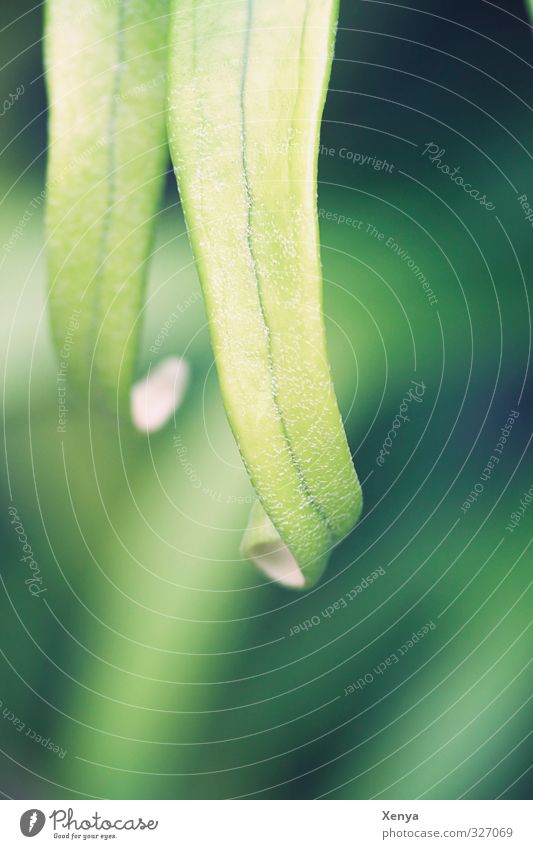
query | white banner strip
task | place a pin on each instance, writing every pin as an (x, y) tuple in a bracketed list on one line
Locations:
[(268, 824)]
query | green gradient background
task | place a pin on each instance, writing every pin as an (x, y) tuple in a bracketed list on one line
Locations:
[(159, 659)]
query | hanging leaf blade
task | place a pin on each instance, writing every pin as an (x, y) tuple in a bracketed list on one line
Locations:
[(106, 71), (247, 87)]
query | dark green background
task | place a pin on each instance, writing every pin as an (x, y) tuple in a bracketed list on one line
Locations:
[(157, 658)]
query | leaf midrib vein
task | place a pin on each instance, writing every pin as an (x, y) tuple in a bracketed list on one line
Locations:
[(112, 180), (312, 500)]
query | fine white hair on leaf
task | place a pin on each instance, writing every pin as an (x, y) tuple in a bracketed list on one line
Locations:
[(154, 398)]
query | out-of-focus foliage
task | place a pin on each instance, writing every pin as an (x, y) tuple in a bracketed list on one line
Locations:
[(157, 660)]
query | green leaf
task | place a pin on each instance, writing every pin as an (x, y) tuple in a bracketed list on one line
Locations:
[(247, 87), (106, 77)]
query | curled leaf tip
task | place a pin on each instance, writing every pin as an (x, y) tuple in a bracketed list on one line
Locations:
[(263, 546)]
